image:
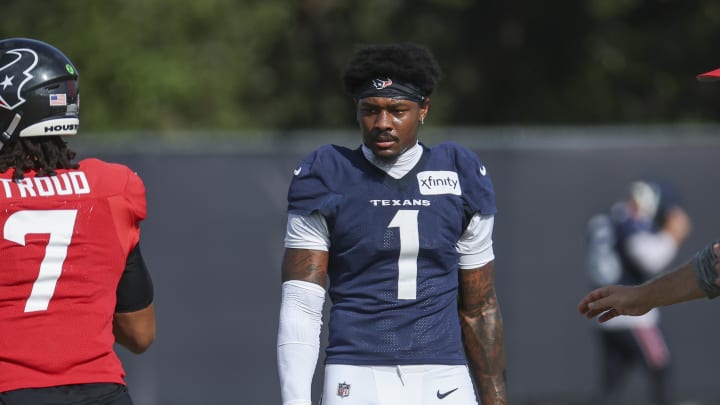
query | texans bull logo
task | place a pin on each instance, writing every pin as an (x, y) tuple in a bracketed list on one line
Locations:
[(381, 84), (14, 74)]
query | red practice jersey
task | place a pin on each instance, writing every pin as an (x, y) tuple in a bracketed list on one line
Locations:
[(64, 243)]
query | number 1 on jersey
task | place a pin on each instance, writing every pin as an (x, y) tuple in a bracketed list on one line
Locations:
[(59, 224), (407, 222)]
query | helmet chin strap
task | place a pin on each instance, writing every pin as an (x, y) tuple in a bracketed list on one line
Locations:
[(6, 136)]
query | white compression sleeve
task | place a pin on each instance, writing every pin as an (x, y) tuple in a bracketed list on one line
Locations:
[(298, 340)]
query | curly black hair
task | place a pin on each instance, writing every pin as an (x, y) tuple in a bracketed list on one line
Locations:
[(41, 154), (407, 62)]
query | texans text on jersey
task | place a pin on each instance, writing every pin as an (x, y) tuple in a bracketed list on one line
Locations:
[(400, 203)]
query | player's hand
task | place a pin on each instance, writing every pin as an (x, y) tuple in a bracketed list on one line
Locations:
[(677, 224), (611, 301)]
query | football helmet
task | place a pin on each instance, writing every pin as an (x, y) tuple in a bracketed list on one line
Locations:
[(646, 195), (39, 93)]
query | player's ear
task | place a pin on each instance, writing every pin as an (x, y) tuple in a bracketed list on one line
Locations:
[(424, 110)]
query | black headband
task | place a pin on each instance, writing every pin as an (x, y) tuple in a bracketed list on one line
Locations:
[(389, 88)]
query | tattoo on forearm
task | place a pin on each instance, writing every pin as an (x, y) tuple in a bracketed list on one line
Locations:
[(484, 339)]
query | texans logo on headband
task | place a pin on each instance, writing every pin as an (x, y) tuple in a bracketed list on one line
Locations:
[(381, 84), (10, 85), (397, 89)]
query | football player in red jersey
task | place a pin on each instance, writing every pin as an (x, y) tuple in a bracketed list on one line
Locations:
[(72, 280)]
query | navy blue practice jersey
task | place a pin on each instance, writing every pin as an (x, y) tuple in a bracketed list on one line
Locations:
[(631, 272), (393, 263)]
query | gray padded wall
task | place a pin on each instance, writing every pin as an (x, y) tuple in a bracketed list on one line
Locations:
[(213, 241)]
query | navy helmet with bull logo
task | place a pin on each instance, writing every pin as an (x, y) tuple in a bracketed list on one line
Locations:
[(39, 94)]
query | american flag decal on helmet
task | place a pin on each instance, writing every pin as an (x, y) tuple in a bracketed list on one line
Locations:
[(58, 100), (343, 390)]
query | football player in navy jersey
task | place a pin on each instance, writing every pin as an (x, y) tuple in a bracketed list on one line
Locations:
[(649, 226), (400, 235)]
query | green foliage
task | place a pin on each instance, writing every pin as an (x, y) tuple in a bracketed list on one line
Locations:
[(173, 66)]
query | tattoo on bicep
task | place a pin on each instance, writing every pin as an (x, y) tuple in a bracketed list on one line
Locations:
[(306, 265)]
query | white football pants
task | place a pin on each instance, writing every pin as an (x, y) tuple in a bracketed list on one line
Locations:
[(397, 385)]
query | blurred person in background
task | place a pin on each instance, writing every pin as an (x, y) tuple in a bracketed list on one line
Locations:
[(697, 278), (404, 233), (635, 242), (73, 281)]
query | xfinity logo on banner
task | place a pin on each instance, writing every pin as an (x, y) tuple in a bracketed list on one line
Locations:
[(439, 182), (59, 126)]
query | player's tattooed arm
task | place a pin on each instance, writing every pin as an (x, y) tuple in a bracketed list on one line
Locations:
[(483, 334), (305, 265)]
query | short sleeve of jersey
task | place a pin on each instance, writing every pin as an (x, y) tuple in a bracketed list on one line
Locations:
[(125, 192), (310, 189), (118, 177), (135, 195), (477, 187)]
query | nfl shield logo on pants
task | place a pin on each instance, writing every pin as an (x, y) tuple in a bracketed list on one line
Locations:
[(343, 390)]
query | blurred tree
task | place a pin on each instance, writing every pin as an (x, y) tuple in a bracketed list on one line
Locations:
[(222, 65)]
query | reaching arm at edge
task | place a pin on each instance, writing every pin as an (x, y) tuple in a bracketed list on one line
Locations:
[(674, 287), (134, 320), (671, 288), (304, 274), (483, 333), (695, 279)]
